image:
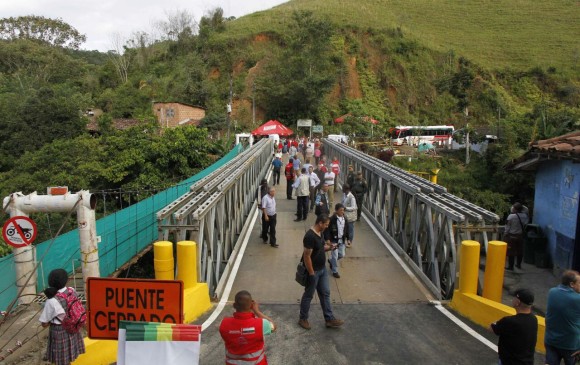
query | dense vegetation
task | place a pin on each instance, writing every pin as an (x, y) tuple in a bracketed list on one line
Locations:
[(486, 66)]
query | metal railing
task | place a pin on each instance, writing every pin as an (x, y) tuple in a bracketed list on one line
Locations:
[(420, 220), (215, 210)]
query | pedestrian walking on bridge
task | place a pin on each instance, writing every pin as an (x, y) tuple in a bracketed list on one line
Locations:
[(269, 217), (314, 256)]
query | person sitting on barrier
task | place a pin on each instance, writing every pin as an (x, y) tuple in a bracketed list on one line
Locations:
[(63, 347), (243, 334), (518, 333)]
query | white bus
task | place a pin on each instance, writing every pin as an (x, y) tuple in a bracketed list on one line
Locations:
[(438, 135)]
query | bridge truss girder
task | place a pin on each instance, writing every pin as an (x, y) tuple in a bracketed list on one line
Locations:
[(215, 212), (421, 221)]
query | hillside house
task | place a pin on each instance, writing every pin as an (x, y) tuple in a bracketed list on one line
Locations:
[(173, 114), (118, 124), (556, 162)]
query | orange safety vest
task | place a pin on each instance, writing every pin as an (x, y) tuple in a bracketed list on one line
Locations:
[(243, 335)]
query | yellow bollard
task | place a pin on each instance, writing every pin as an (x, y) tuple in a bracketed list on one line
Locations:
[(494, 270), (163, 260), (187, 263), (433, 176), (469, 267)]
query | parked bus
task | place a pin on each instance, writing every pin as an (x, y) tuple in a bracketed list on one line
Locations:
[(438, 135)]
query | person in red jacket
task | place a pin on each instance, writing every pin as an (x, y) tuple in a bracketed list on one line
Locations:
[(243, 334), (289, 173)]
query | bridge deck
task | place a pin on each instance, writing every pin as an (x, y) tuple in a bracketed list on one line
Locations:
[(388, 319)]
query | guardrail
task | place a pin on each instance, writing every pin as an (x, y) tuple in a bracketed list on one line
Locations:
[(213, 213), (420, 220)]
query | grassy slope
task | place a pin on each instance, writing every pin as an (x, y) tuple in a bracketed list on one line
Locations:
[(497, 34)]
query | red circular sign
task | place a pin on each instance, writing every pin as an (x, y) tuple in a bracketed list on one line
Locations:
[(19, 231)]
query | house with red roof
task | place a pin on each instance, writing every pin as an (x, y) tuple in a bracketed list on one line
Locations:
[(556, 163)]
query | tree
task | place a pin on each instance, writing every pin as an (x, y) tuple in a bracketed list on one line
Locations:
[(295, 82), (119, 57), (54, 32), (178, 24)]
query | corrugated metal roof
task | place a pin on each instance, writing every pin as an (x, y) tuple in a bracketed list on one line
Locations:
[(565, 147)]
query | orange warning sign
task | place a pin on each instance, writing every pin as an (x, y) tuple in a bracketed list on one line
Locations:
[(113, 300)]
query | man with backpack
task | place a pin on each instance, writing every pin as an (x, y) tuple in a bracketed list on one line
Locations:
[(65, 315), (514, 235)]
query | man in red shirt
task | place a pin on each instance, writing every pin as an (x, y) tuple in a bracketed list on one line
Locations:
[(289, 173), (243, 334)]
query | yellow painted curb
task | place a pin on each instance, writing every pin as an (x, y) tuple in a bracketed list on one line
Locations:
[(484, 312)]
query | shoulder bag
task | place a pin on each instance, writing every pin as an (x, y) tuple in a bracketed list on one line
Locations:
[(301, 273)]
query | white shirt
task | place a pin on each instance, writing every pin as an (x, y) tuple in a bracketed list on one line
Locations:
[(350, 206), (53, 312), (329, 178), (340, 224), (314, 180), (269, 203)]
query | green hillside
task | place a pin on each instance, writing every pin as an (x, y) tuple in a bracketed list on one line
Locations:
[(508, 68), (497, 34)]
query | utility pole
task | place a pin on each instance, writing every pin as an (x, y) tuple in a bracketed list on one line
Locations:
[(498, 121), (229, 106), (253, 103), (467, 143)]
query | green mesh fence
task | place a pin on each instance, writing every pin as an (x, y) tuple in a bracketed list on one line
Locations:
[(123, 235)]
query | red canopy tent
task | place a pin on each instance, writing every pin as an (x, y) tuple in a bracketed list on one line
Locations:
[(366, 119), (272, 127)]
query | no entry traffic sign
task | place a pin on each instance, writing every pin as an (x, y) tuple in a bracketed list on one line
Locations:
[(19, 231)]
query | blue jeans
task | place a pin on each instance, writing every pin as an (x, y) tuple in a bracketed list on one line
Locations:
[(351, 230), (320, 283), (554, 355), (336, 255)]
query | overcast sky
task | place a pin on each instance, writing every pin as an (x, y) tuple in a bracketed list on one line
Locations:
[(100, 19)]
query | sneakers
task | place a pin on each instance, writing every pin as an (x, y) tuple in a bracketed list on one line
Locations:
[(336, 275), (334, 323), (304, 324)]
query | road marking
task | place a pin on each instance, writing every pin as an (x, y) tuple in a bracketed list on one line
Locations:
[(427, 294), (463, 326)]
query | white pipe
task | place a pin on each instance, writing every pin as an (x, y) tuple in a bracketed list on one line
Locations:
[(18, 204), (34, 203), (88, 239)]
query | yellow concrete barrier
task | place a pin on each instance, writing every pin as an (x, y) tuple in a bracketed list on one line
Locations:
[(494, 270), (469, 266), (484, 312), (163, 260), (481, 310), (187, 263), (196, 299)]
